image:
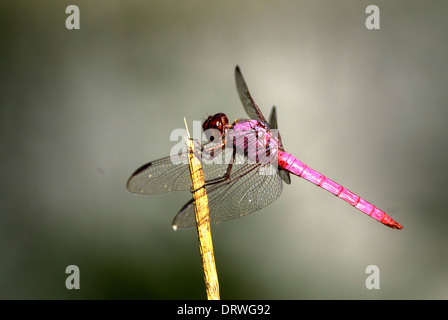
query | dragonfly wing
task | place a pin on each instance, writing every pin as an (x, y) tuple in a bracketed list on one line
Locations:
[(247, 190), (273, 118), (285, 176), (172, 174), (249, 104), (160, 176), (273, 124)]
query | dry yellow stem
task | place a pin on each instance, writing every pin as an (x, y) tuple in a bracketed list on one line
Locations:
[(203, 223)]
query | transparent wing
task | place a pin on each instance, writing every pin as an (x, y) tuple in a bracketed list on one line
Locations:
[(249, 188), (162, 176), (249, 104)]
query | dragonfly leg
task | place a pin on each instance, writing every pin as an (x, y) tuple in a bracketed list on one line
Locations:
[(225, 177)]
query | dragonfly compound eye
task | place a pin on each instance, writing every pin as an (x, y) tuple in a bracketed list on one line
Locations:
[(218, 122)]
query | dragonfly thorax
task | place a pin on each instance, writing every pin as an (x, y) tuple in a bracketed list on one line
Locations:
[(254, 140)]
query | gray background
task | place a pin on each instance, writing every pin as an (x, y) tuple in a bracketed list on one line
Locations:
[(81, 110)]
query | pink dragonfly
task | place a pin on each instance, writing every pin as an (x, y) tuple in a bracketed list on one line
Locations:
[(250, 179)]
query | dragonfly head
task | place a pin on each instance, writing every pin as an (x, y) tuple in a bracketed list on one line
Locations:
[(218, 122)]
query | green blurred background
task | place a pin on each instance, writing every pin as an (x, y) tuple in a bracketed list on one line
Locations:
[(80, 110)]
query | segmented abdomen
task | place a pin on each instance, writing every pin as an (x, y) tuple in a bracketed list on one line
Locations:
[(289, 163)]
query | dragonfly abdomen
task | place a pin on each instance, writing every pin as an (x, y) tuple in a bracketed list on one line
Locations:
[(289, 163)]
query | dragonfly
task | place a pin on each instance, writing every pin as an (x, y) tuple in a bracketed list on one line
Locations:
[(251, 177)]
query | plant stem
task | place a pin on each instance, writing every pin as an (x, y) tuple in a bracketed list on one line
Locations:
[(203, 222)]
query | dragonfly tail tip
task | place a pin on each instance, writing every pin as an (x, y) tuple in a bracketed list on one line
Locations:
[(396, 225)]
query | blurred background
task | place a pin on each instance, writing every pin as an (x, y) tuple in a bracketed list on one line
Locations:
[(80, 110)]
